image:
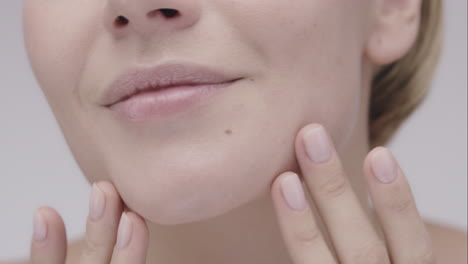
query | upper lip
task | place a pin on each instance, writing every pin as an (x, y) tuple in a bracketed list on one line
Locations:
[(138, 79)]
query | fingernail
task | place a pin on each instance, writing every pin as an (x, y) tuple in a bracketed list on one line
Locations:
[(293, 192), (125, 231), (39, 227), (96, 203), (384, 166), (317, 145)]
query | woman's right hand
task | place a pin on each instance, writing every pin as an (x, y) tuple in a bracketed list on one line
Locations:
[(112, 236)]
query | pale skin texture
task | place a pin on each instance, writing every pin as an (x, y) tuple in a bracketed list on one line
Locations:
[(304, 63)]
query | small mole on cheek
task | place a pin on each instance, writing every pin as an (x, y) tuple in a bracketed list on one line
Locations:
[(229, 131)]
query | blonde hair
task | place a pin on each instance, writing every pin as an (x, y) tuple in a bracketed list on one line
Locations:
[(400, 87)]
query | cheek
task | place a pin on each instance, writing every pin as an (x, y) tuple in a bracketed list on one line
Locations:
[(58, 36), (314, 62)]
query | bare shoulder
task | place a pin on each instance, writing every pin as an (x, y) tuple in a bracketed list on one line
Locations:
[(450, 244)]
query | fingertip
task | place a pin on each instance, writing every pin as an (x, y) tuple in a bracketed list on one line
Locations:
[(374, 151), (114, 203), (277, 189), (52, 216), (367, 164), (141, 228), (47, 223), (276, 185), (309, 127), (40, 229), (133, 239), (108, 189), (49, 242), (300, 135)]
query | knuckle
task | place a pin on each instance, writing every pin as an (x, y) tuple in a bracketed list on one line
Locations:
[(92, 246), (307, 236), (401, 204), (374, 252), (333, 185), (109, 190), (425, 255), (399, 199), (427, 258)]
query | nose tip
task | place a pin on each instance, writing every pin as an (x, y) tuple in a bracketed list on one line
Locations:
[(146, 17)]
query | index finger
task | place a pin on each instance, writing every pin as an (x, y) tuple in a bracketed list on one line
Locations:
[(302, 235), (49, 241)]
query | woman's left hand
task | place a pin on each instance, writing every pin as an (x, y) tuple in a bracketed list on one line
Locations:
[(354, 238)]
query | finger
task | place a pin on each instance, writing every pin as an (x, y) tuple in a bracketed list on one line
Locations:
[(301, 234), (407, 236), (132, 240), (352, 233), (105, 208), (49, 241)]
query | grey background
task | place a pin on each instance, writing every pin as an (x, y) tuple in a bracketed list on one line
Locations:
[(37, 168)]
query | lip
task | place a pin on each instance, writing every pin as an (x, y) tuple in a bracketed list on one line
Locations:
[(140, 94), (165, 76)]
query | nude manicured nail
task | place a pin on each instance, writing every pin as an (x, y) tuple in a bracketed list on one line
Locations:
[(39, 227), (317, 146), (96, 203), (384, 166), (125, 232), (293, 192)]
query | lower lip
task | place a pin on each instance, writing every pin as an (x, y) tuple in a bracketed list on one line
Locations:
[(152, 104)]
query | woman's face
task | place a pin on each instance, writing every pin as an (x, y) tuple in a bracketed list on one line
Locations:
[(301, 62)]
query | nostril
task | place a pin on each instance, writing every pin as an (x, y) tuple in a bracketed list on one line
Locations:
[(168, 13), (121, 21)]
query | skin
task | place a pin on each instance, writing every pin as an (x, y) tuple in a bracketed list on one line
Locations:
[(298, 73)]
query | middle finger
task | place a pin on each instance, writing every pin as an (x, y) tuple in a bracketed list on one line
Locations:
[(132, 240), (351, 231), (101, 228)]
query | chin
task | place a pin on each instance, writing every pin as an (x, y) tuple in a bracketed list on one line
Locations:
[(184, 189), (177, 198)]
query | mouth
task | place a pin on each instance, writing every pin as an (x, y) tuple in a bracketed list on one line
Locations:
[(145, 94), (148, 105), (138, 81), (153, 88)]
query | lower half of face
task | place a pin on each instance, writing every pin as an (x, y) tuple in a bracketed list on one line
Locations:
[(301, 63)]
